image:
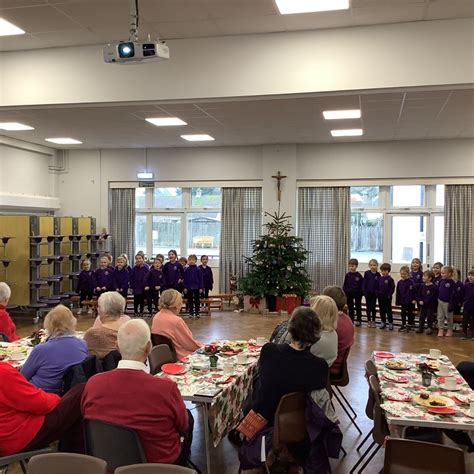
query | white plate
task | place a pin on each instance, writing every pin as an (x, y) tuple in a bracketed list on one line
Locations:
[(458, 387), (244, 363), (17, 356)]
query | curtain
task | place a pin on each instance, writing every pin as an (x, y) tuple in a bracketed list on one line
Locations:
[(241, 224), (122, 222), (324, 224), (459, 227)]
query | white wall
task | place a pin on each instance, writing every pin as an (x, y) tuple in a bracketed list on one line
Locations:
[(84, 188), (417, 54), (25, 181)]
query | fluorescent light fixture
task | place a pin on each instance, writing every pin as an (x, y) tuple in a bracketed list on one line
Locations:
[(8, 29), (64, 141), (198, 138), (166, 121), (341, 114), (351, 132), (145, 175), (14, 126), (289, 7)]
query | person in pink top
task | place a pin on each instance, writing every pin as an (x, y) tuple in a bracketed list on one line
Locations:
[(344, 329), (167, 323), (7, 326)]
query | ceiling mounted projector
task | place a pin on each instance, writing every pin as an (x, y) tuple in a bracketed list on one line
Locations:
[(135, 51)]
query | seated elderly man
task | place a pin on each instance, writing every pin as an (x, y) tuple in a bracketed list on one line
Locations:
[(102, 339), (129, 396)]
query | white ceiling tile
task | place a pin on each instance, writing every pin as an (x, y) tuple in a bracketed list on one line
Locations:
[(388, 13), (187, 29), (240, 8), (21, 3), (437, 9), (160, 11), (249, 25), (309, 21)]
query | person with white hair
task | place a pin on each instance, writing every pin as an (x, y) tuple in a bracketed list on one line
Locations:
[(129, 396), (7, 326), (102, 338)]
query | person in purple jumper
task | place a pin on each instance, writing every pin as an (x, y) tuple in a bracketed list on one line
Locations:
[(468, 306), (154, 283), (173, 272), (446, 292), (104, 277), (428, 301), (137, 284), (86, 284), (437, 272), (353, 289), (385, 290), (121, 277), (207, 275), (193, 286), (369, 286), (406, 297)]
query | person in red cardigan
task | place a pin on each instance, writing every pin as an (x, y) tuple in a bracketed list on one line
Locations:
[(7, 326), (129, 396), (31, 418)]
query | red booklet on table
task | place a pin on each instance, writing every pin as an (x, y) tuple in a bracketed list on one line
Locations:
[(252, 424)]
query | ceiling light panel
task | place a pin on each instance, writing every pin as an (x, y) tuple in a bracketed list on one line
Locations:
[(166, 121), (289, 7), (341, 114), (9, 29), (351, 132), (64, 141), (14, 126), (198, 138)]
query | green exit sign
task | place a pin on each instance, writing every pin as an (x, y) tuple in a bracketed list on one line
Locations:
[(146, 184)]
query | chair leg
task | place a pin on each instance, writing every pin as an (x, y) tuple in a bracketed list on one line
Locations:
[(361, 470), (364, 440), (352, 420), (23, 466), (346, 401), (361, 459), (194, 466), (344, 452)]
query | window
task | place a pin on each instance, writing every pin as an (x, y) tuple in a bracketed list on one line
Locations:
[(438, 250), (440, 195), (408, 238), (364, 197), (407, 196), (367, 236), (185, 219)]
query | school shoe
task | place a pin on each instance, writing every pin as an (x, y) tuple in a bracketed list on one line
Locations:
[(449, 333), (390, 326), (440, 332), (429, 332), (382, 326), (358, 323), (89, 311)]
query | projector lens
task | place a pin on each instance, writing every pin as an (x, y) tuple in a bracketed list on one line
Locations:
[(126, 50)]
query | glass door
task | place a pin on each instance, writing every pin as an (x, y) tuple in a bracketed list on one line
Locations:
[(166, 233)]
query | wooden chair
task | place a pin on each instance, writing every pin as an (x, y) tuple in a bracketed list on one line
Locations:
[(159, 355), (157, 339), (154, 469), (418, 457), (59, 463), (290, 423)]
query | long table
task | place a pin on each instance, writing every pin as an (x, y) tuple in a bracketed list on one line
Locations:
[(221, 403), (409, 413)]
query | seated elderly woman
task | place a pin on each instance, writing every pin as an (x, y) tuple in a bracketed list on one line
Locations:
[(103, 339), (167, 323), (31, 418), (48, 361)]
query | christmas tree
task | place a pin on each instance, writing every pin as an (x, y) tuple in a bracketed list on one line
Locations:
[(277, 264)]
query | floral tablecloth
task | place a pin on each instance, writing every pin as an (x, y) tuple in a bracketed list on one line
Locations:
[(225, 393), (15, 353), (408, 412)]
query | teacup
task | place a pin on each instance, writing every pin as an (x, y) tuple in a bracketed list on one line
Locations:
[(242, 358), (443, 370), (261, 341), (450, 383), (435, 353)]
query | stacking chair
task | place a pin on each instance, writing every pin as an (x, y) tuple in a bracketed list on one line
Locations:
[(157, 339), (117, 445), (370, 369), (4, 337), (154, 469), (342, 380), (21, 458), (290, 423), (417, 457), (380, 430), (159, 355), (60, 463)]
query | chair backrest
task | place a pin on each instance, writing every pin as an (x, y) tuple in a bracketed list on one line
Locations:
[(159, 355), (154, 469), (117, 445), (4, 337), (419, 457), (342, 379), (380, 423), (157, 339), (290, 423), (80, 373), (370, 369), (59, 463)]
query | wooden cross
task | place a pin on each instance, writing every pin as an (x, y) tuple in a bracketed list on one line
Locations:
[(279, 177)]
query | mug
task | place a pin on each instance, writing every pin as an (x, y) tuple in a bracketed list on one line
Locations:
[(450, 383), (261, 341), (435, 353), (443, 370), (242, 358), (426, 379)]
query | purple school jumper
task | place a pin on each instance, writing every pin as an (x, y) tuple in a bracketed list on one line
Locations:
[(353, 284), (154, 278), (446, 290), (429, 296), (137, 279), (469, 298), (207, 277), (104, 278), (369, 285), (193, 279), (121, 280), (86, 282), (436, 280), (417, 278), (385, 287), (405, 292), (172, 272)]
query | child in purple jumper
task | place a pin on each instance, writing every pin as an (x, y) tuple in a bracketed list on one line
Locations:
[(86, 284), (406, 297), (446, 293), (207, 275), (193, 286), (353, 289), (385, 290), (468, 306), (428, 301), (104, 277), (154, 283), (369, 287), (121, 276), (173, 272), (137, 284), (437, 272)]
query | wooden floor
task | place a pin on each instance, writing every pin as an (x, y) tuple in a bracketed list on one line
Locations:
[(232, 325)]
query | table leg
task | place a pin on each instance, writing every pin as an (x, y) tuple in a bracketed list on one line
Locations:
[(207, 441)]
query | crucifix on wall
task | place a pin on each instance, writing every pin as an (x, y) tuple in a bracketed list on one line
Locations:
[(278, 177)]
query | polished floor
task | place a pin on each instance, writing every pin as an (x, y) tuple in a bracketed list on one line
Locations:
[(233, 325)]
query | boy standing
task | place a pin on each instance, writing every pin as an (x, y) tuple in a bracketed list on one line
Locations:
[(468, 308), (385, 290), (353, 289), (207, 275), (193, 286), (405, 298), (428, 301)]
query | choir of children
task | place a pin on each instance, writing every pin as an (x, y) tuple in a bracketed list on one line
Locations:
[(146, 283), (436, 295)]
